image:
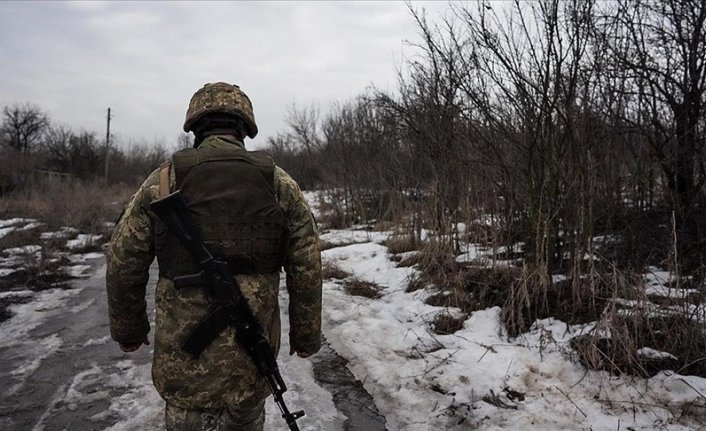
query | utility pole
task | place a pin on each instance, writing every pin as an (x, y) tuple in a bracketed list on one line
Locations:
[(107, 147)]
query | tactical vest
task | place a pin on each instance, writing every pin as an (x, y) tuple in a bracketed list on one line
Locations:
[(231, 194)]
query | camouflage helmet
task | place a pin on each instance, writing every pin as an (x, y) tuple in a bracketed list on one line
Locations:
[(222, 98)]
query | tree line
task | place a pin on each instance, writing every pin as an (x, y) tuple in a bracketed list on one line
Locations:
[(33, 148), (561, 123), (545, 126)]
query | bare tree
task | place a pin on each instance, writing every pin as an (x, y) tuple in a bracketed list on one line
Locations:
[(23, 126), (303, 123), (659, 50)]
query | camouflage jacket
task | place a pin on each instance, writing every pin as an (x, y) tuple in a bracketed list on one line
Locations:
[(223, 374)]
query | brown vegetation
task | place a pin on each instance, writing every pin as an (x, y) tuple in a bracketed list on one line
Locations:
[(83, 205), (330, 270), (357, 287), (576, 129), (445, 323)]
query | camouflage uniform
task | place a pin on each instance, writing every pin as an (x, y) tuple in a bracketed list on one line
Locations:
[(223, 378)]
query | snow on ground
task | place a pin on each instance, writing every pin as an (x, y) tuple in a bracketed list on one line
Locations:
[(303, 392), (29, 316), (11, 225), (27, 249), (78, 271), (477, 377), (139, 406), (338, 237), (6, 230), (83, 240), (4, 272), (84, 257), (15, 331), (424, 381), (16, 221), (63, 233), (659, 283)]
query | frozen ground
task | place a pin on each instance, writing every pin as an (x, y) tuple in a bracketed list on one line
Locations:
[(62, 371), (478, 378)]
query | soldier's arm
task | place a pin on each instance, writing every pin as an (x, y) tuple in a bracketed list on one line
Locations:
[(303, 267), (130, 255)]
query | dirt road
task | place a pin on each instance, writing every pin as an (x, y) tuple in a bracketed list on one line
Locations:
[(61, 371)]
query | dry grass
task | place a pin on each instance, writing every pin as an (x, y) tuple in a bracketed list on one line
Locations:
[(357, 287), (445, 324), (397, 244), (677, 335), (330, 270), (459, 285), (85, 206), (19, 238), (527, 296), (332, 214), (435, 258), (574, 301), (415, 283)]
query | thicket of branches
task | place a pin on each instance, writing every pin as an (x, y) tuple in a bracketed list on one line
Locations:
[(557, 120)]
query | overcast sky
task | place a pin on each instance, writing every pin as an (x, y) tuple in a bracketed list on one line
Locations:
[(145, 60)]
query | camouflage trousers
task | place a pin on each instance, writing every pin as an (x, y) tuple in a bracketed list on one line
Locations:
[(246, 416)]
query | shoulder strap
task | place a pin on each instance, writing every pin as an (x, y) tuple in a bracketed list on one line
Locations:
[(164, 179)]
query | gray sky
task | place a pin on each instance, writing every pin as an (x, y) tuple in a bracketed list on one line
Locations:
[(145, 60)]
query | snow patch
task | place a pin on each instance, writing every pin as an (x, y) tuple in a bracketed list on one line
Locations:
[(77, 271), (139, 406), (83, 306), (650, 353), (339, 237), (76, 258), (6, 230), (29, 316), (83, 240), (303, 391), (16, 293), (24, 250), (97, 341), (4, 272), (31, 226), (63, 233), (16, 221)]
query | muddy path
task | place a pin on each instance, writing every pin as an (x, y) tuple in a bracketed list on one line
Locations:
[(65, 373), (73, 384), (349, 396)]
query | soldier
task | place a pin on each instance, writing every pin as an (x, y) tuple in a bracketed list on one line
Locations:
[(252, 214)]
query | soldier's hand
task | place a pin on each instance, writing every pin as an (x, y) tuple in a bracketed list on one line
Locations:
[(131, 347), (300, 354)]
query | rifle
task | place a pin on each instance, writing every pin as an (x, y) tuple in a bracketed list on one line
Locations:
[(228, 305)]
